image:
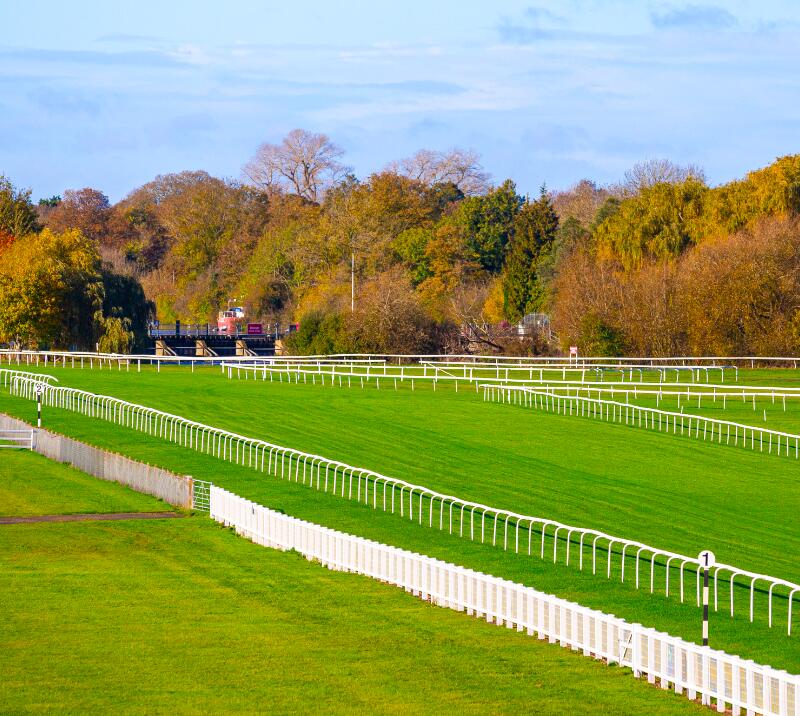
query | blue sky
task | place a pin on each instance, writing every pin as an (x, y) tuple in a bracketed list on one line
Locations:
[(109, 95)]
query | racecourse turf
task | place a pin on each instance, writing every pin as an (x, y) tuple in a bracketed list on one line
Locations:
[(33, 485), (672, 492), (183, 616)]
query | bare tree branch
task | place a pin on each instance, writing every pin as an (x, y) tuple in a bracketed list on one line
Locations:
[(643, 175), (303, 163), (458, 166)]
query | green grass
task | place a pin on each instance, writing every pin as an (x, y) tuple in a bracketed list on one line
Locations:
[(675, 493), (33, 485), (181, 616), (763, 412)]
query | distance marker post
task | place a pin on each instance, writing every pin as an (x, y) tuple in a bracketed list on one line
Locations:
[(39, 389), (707, 561)]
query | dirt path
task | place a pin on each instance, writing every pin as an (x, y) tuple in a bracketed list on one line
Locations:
[(91, 517)]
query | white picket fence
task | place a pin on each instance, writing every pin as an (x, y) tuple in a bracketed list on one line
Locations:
[(467, 519), (712, 675)]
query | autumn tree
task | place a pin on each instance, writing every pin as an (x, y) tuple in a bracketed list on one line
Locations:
[(282, 260), (6, 239), (87, 210), (389, 318), (147, 240), (658, 223), (580, 202), (773, 191), (206, 230), (303, 163), (447, 264), (476, 310), (50, 289), (148, 212), (165, 187), (741, 296), (200, 219), (650, 311), (586, 305), (735, 296), (45, 206), (364, 219), (18, 216), (359, 223)]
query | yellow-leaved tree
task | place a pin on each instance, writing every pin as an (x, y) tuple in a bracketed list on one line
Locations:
[(50, 289)]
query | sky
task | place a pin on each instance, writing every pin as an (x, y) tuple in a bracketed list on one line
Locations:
[(109, 95)]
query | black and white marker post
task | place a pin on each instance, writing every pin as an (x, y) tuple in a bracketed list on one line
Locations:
[(707, 560), (39, 390)]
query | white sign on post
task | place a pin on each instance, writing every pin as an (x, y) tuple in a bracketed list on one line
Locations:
[(573, 351), (707, 559)]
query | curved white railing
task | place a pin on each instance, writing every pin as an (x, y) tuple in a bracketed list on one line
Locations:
[(6, 374), (686, 667), (393, 495), (660, 391), (713, 429)]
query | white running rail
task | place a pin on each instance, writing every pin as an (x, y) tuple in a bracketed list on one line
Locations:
[(6, 374), (727, 362), (711, 429)]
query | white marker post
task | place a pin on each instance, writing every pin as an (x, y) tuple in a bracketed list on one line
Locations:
[(707, 560), (39, 389)]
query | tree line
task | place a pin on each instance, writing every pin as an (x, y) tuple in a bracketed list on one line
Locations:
[(426, 255)]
